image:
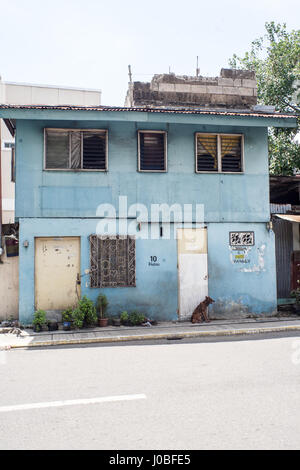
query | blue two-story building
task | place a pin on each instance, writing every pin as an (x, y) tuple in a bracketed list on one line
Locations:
[(153, 206)]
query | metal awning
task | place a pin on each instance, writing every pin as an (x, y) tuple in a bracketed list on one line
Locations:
[(289, 217)]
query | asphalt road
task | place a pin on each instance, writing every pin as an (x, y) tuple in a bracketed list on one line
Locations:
[(234, 394)]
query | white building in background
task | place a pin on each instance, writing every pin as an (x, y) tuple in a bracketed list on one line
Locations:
[(27, 94), (23, 94)]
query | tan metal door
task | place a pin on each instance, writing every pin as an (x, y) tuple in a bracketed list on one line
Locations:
[(192, 269), (57, 264)]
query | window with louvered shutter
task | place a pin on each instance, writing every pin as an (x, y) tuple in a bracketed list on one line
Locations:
[(73, 149), (207, 152), (94, 151), (220, 153), (231, 153), (152, 151), (112, 261)]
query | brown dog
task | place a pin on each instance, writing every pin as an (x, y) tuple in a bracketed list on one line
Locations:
[(201, 311)]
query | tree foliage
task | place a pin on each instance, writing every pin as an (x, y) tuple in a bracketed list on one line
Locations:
[(275, 58)]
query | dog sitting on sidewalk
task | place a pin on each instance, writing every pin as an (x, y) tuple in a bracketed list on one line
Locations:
[(201, 311)]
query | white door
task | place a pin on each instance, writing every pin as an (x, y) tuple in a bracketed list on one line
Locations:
[(192, 270), (57, 264)]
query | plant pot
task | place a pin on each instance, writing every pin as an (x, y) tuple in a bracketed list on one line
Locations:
[(103, 322), (66, 325), (296, 308), (52, 326), (116, 321), (38, 328)]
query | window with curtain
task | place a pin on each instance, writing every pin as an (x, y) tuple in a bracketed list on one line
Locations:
[(220, 153), (75, 149)]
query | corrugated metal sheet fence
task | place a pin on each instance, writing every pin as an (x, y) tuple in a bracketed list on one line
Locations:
[(284, 249)]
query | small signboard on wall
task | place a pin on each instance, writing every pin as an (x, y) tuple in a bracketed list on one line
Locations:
[(241, 238)]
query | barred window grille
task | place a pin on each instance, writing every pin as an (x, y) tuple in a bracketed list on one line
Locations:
[(152, 151), (221, 153), (70, 149), (112, 261)]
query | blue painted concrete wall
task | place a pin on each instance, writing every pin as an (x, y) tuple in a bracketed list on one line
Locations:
[(62, 203), (242, 280), (240, 197), (239, 289)]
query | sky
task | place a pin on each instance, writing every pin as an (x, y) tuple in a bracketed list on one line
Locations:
[(90, 43)]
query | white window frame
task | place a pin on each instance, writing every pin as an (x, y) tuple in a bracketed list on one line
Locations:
[(219, 158), (81, 131), (150, 131)]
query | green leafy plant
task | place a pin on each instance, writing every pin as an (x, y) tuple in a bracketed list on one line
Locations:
[(124, 317), (39, 319), (67, 315), (136, 318), (78, 317), (89, 311), (296, 294), (102, 304), (275, 60)]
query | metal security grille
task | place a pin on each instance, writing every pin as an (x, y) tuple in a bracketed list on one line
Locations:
[(152, 151), (112, 261)]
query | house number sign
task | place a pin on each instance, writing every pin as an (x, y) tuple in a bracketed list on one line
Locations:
[(241, 238), (153, 261)]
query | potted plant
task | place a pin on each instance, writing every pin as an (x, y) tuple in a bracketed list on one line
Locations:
[(296, 294), (52, 325), (67, 318), (39, 320), (116, 321), (136, 318), (102, 304), (77, 317), (124, 318), (88, 308)]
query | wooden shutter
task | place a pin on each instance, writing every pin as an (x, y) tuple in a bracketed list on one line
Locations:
[(152, 151)]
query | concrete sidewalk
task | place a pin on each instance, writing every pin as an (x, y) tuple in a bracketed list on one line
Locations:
[(164, 330)]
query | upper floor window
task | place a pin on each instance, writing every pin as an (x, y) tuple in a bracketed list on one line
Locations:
[(152, 151), (70, 149), (219, 153)]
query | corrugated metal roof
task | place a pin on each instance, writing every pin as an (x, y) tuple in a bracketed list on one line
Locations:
[(169, 110), (289, 217)]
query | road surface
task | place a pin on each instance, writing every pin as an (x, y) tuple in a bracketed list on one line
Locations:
[(232, 394)]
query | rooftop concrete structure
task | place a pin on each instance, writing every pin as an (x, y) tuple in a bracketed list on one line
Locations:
[(233, 89)]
